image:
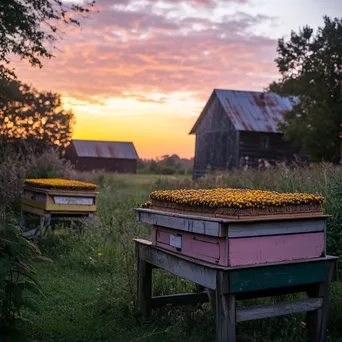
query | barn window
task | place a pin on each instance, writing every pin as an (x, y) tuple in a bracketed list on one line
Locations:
[(264, 141)]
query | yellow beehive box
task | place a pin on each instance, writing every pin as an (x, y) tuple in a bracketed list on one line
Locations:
[(58, 196)]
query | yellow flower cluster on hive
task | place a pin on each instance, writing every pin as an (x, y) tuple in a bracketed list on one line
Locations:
[(54, 183), (235, 198), (146, 205)]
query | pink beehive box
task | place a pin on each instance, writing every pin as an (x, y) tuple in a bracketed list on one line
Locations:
[(228, 242)]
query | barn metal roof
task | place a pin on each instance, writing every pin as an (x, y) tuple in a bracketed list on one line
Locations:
[(251, 111), (105, 149)]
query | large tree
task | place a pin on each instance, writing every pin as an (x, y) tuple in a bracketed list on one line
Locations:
[(311, 68), (32, 117), (26, 26)]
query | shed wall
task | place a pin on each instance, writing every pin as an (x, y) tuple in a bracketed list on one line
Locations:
[(216, 145), (264, 146), (107, 164)]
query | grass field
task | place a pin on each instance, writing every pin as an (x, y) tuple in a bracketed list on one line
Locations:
[(90, 281)]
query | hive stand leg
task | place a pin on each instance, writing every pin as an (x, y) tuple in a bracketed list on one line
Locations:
[(212, 300), (22, 220), (225, 313), (317, 320), (42, 222), (144, 288), (48, 219), (41, 226)]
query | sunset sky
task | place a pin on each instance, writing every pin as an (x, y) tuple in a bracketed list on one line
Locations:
[(142, 70)]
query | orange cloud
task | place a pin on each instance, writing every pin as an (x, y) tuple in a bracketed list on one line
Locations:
[(150, 52)]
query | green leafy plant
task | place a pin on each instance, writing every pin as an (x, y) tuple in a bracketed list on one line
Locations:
[(18, 279)]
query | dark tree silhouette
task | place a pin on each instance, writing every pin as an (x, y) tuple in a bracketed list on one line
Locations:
[(27, 25), (34, 118), (311, 69)]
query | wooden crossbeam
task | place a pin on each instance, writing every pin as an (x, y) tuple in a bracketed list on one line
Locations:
[(279, 309), (180, 299)]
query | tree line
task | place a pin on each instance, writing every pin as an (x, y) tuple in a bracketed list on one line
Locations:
[(33, 119), (310, 65), (30, 118), (166, 165)]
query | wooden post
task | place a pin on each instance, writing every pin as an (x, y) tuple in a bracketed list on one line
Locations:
[(144, 287), (317, 320), (42, 223), (22, 220), (48, 219), (225, 312), (212, 300)]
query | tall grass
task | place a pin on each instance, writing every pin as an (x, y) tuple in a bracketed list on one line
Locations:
[(92, 281)]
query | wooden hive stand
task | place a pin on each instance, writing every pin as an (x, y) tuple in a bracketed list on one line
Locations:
[(204, 251), (58, 204)]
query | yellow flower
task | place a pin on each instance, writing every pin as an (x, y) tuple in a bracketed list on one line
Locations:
[(234, 198), (55, 183), (99, 254), (303, 324)]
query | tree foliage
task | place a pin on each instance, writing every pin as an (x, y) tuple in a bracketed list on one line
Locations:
[(36, 118), (27, 25), (311, 68)]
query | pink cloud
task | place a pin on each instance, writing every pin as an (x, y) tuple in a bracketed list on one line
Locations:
[(121, 49)]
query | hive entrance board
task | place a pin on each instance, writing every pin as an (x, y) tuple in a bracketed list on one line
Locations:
[(73, 200)]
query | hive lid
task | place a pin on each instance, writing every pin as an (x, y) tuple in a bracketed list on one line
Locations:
[(62, 184), (236, 203)]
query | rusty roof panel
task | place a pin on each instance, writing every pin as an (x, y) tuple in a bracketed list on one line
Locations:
[(253, 111), (105, 149)]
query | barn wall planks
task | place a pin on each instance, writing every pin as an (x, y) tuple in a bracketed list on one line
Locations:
[(216, 142), (263, 145), (263, 249)]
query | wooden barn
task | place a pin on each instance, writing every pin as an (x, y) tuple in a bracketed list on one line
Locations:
[(110, 156), (238, 128)]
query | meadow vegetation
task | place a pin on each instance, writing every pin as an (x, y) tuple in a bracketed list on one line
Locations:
[(89, 284)]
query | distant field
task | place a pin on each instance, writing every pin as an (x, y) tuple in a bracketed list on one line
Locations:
[(90, 284), (133, 182)]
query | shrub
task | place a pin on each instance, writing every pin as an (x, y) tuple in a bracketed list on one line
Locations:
[(12, 174), (15, 167), (49, 165), (167, 170), (17, 277)]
